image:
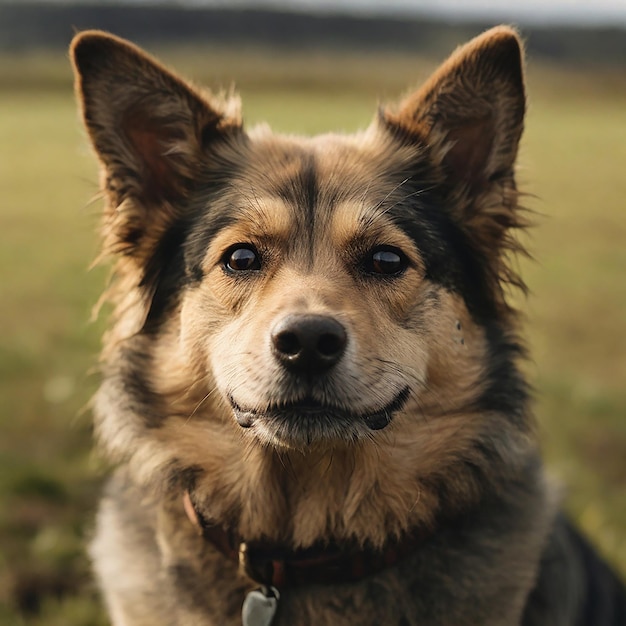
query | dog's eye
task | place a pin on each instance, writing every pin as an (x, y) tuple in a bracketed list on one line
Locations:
[(385, 260), (241, 258)]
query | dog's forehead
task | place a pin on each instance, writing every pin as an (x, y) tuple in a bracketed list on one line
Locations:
[(332, 163), (309, 177)]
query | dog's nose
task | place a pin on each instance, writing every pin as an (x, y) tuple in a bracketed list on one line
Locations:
[(309, 344)]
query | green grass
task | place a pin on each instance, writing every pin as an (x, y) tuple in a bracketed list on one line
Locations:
[(573, 158), (574, 153)]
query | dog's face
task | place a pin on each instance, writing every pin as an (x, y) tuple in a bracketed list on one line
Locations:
[(324, 300), (308, 284), (311, 292)]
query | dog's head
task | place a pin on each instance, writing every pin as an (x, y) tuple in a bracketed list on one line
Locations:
[(310, 292)]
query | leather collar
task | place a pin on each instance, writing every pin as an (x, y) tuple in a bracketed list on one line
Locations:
[(274, 566)]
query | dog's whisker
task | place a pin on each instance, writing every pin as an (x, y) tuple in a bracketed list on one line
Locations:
[(369, 214), (377, 211), (199, 404), (414, 194), (365, 192)]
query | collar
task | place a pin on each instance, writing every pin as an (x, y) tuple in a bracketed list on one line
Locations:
[(271, 565)]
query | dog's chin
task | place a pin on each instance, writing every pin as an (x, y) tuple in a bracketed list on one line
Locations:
[(306, 423)]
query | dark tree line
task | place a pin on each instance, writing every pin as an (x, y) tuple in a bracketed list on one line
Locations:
[(27, 25)]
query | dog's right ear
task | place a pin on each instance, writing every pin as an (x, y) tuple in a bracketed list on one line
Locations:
[(150, 130)]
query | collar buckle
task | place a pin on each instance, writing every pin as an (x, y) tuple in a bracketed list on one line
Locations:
[(255, 564)]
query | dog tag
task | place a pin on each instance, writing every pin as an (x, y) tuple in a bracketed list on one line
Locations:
[(259, 607)]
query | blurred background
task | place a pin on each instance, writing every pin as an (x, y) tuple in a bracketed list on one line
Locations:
[(305, 67)]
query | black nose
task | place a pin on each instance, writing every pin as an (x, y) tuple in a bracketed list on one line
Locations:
[(309, 344)]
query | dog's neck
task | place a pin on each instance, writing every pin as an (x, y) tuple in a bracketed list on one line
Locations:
[(365, 492), (276, 566)]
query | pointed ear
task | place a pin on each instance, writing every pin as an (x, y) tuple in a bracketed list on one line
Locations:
[(150, 130), (471, 111)]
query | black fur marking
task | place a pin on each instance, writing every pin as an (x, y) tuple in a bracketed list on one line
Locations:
[(132, 388), (302, 192), (605, 597), (165, 274), (177, 260), (569, 562), (199, 238), (507, 392), (310, 190), (449, 258)]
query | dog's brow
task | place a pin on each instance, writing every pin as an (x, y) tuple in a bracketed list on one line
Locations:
[(388, 203), (373, 228)]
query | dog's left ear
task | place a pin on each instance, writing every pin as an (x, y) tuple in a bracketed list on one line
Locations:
[(470, 116)]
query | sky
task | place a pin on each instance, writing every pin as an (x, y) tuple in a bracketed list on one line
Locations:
[(611, 12)]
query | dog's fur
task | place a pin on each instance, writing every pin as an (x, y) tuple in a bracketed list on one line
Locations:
[(398, 236)]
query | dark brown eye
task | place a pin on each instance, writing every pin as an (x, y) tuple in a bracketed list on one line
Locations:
[(242, 258), (386, 260)]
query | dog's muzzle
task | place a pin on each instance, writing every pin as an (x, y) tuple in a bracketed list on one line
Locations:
[(308, 347)]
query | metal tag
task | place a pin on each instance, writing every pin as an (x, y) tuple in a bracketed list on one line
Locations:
[(259, 607)]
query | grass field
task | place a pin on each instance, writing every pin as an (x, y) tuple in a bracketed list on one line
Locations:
[(572, 160)]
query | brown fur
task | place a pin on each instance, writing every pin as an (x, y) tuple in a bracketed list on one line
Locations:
[(191, 343)]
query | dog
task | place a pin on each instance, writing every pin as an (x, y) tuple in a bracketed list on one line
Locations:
[(311, 384)]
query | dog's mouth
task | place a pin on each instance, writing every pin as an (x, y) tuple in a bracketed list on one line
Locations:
[(308, 419)]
